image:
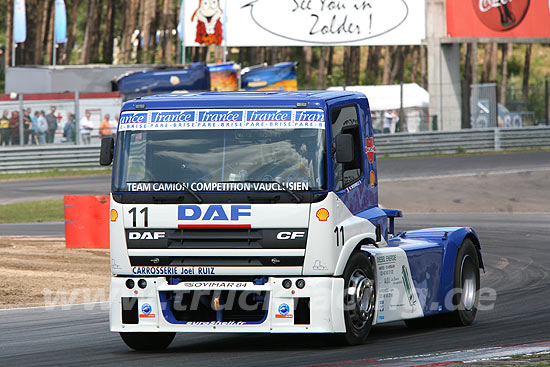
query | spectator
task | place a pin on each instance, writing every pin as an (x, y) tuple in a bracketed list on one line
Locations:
[(52, 125), (14, 128), (105, 127), (42, 127), (114, 125), (69, 130), (388, 117), (27, 126), (34, 133), (4, 129), (86, 128)]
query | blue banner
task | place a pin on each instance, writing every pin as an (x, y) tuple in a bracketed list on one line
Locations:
[(19, 22), (60, 22)]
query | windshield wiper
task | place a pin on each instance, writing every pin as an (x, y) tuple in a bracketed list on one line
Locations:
[(289, 191), (185, 188)]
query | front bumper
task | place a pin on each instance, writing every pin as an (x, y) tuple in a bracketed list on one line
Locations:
[(153, 313)]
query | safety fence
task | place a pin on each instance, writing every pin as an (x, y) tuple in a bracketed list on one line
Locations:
[(35, 158)]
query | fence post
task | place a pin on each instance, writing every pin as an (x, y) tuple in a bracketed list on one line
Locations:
[(21, 127), (77, 117), (497, 135)]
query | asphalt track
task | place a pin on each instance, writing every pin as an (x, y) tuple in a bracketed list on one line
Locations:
[(517, 258)]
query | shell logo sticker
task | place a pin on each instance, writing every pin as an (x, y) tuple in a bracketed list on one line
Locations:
[(322, 214), (114, 215), (372, 178)]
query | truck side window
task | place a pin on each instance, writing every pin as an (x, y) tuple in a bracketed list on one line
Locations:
[(345, 121)]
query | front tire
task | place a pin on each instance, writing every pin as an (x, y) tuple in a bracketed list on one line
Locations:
[(359, 299), (148, 341)]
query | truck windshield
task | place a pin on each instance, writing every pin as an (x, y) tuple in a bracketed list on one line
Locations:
[(220, 160)]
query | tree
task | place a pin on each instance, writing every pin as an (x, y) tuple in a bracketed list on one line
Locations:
[(90, 49), (387, 65), (373, 64), (493, 65), (168, 23), (147, 17), (128, 27), (506, 50), (415, 63), (71, 31), (308, 58), (322, 61), (9, 34), (526, 71), (108, 30)]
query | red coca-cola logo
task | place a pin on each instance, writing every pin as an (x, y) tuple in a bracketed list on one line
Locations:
[(501, 15)]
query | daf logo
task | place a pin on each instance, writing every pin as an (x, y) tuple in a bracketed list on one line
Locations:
[(146, 235), (290, 235)]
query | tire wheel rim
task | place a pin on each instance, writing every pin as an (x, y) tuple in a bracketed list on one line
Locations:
[(360, 297), (469, 283)]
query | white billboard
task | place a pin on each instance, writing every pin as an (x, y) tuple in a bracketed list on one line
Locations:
[(304, 22)]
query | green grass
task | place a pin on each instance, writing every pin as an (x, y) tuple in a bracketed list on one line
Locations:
[(33, 211), (55, 173)]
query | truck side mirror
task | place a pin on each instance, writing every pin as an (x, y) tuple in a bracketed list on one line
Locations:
[(344, 148), (107, 150)]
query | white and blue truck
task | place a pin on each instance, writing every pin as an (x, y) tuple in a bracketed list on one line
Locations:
[(257, 212)]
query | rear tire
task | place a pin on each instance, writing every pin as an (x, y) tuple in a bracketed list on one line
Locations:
[(465, 297), (466, 286), (148, 341), (359, 299)]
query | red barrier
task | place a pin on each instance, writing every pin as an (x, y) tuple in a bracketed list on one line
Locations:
[(87, 221)]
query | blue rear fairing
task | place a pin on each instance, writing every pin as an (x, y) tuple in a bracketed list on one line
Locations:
[(432, 255)]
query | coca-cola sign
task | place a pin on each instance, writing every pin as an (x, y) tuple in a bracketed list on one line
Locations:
[(501, 15)]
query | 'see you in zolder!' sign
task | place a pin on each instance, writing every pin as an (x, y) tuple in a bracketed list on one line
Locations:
[(305, 22)]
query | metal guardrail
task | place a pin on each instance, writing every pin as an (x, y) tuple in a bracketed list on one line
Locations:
[(39, 158), (36, 158), (447, 142)]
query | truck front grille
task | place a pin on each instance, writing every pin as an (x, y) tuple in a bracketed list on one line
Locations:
[(209, 247)]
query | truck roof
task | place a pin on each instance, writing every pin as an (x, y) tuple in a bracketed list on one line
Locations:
[(246, 99)]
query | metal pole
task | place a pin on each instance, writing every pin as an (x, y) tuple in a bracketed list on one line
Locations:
[(399, 126), (21, 127), (54, 52), (13, 54), (77, 117)]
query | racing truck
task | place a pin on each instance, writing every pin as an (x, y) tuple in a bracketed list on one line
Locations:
[(257, 212)]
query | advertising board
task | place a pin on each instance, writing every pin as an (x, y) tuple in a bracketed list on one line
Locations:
[(304, 22), (498, 18)]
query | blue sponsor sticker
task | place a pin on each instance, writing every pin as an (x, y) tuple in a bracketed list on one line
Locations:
[(220, 116), (269, 115), (172, 116), (214, 212), (310, 116), (133, 117), (146, 309), (284, 309)]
